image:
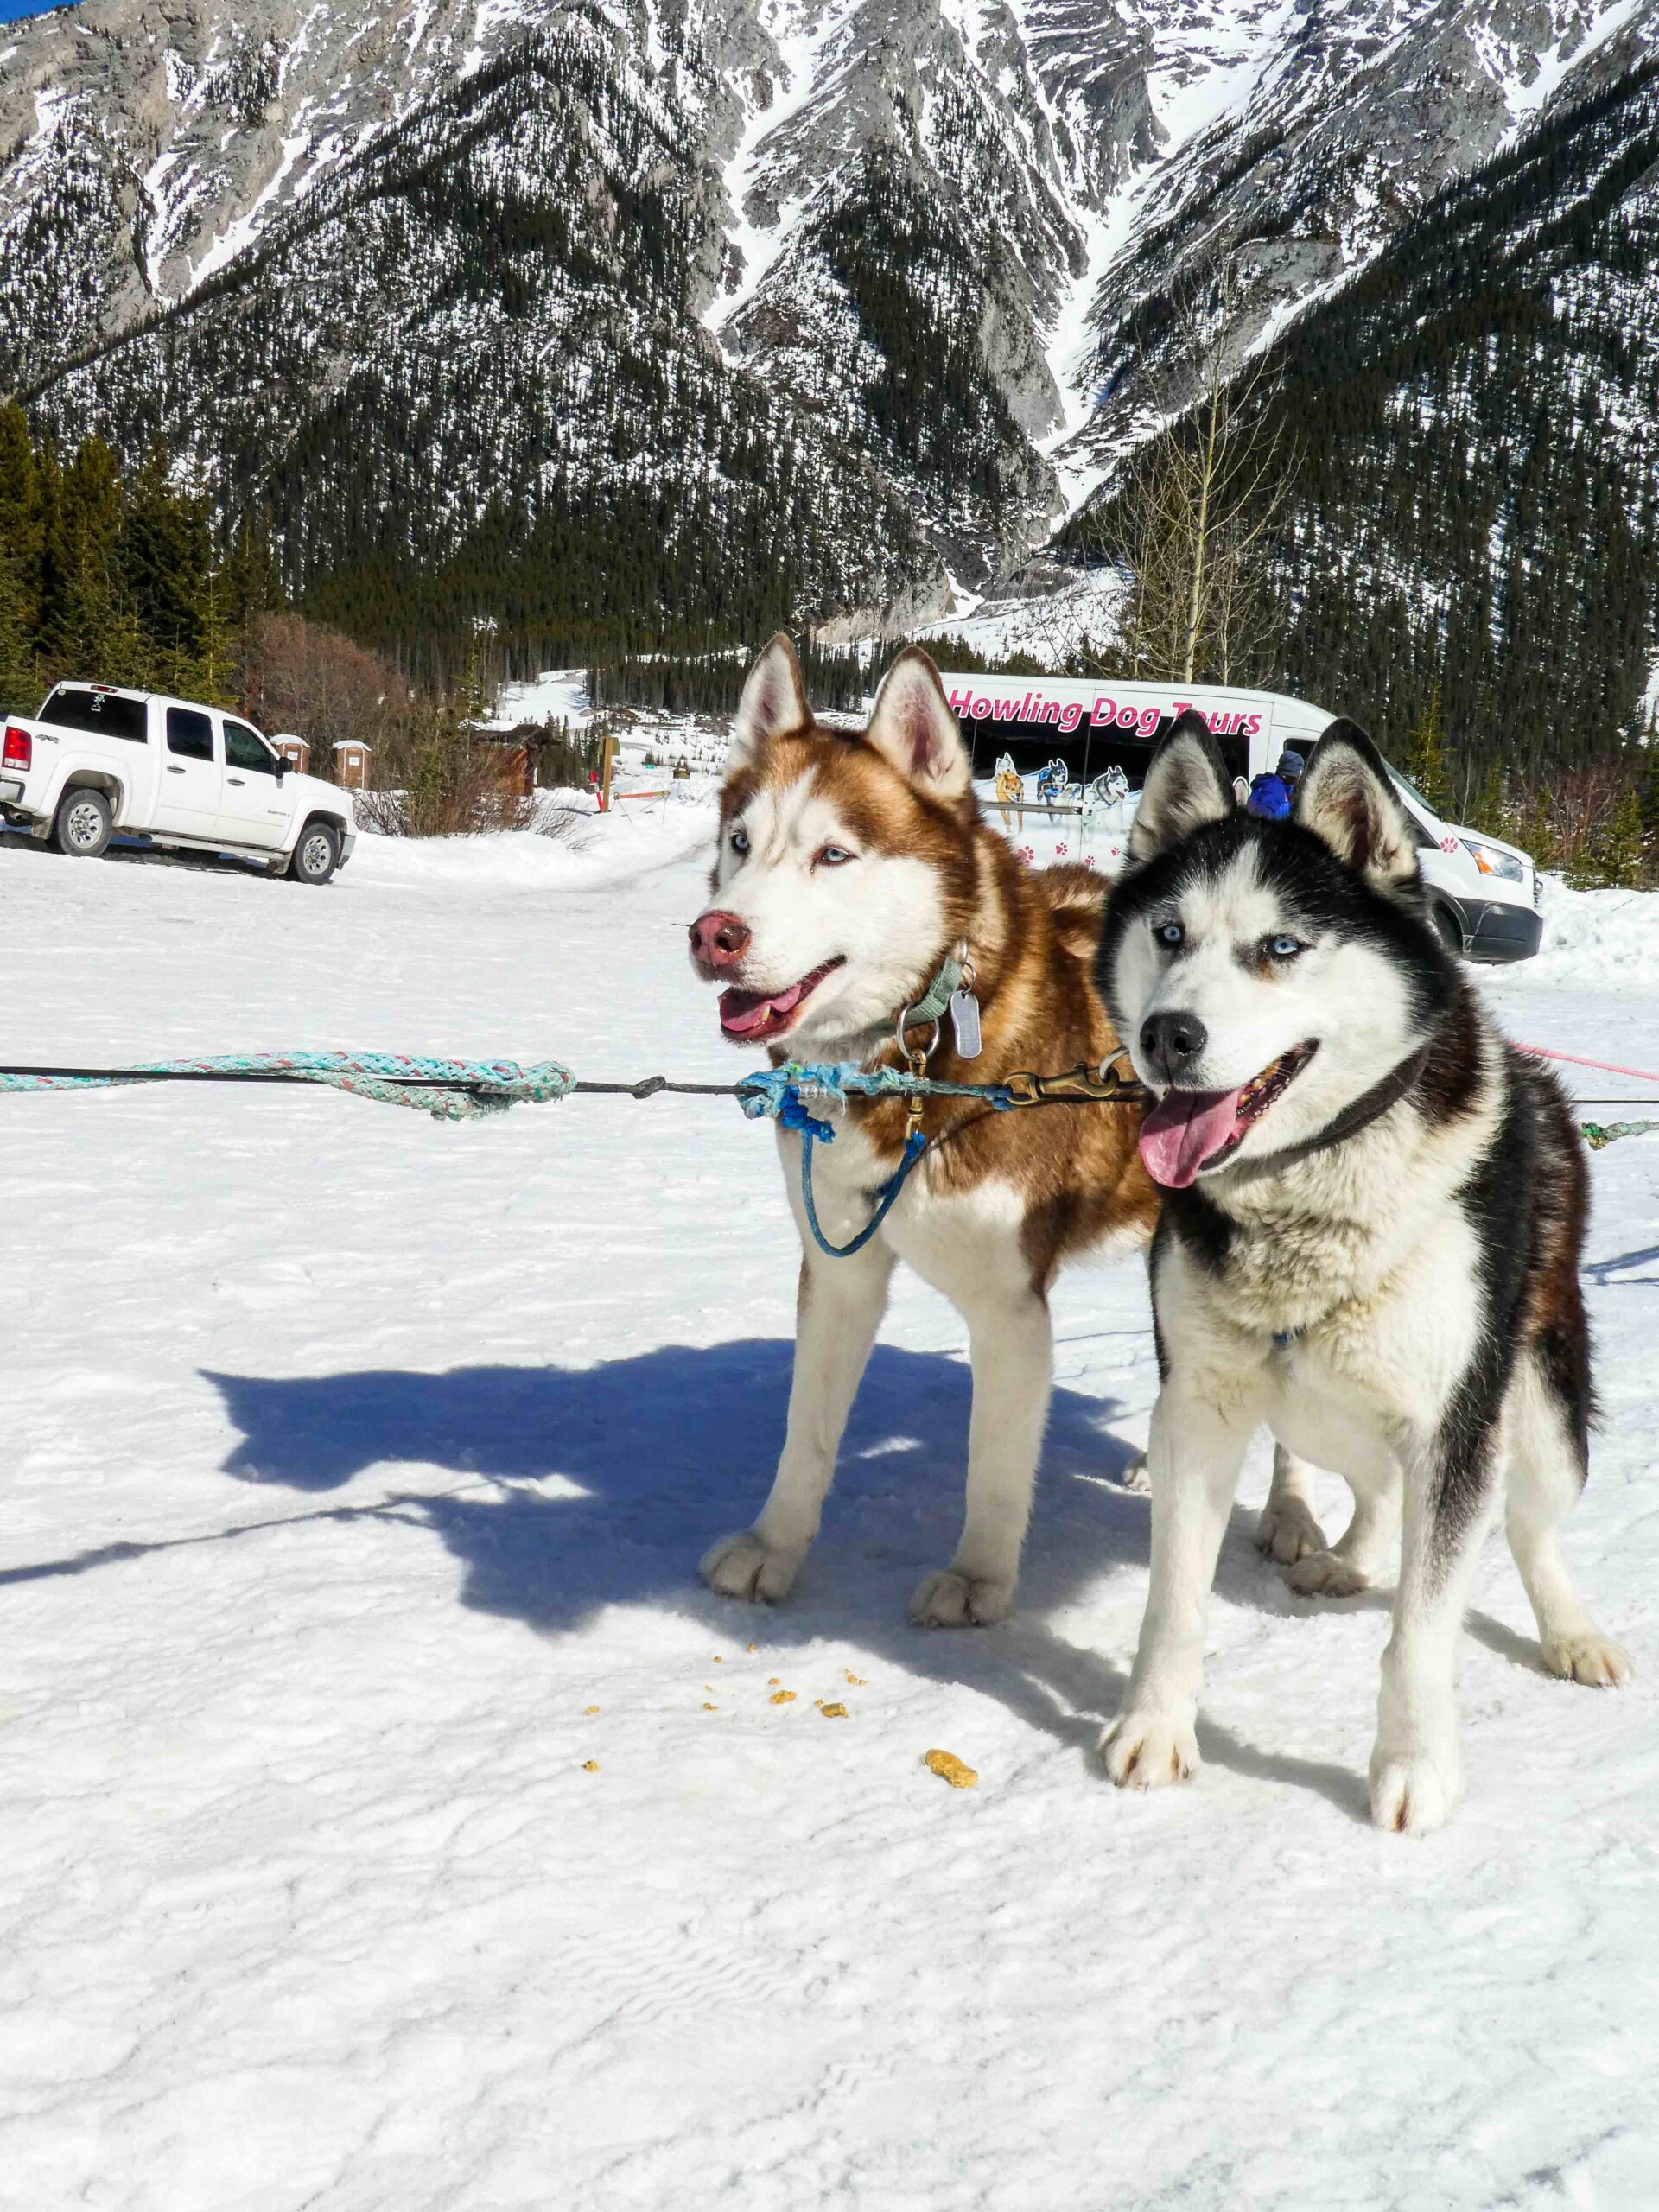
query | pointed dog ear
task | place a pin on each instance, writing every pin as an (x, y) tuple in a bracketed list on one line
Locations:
[(1187, 786), (911, 725), (1347, 797), (773, 702)]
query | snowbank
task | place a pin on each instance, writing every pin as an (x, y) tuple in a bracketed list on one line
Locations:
[(594, 850)]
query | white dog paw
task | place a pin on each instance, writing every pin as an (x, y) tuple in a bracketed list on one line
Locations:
[(1288, 1531), (952, 1600), (1588, 1656), (1327, 1574), (745, 1566), (1137, 1475), (1411, 1793), (1143, 1751)]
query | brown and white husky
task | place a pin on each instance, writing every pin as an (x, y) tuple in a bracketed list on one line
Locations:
[(851, 868)]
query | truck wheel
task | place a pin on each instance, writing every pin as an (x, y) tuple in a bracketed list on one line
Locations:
[(1449, 930), (84, 821), (317, 855)]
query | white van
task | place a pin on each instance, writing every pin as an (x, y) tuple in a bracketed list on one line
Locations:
[(1484, 893)]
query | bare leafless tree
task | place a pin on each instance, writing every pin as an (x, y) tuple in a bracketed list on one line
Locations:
[(1184, 523)]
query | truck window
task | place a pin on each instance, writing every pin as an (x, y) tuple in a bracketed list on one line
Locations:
[(190, 732), (105, 714), (246, 749)]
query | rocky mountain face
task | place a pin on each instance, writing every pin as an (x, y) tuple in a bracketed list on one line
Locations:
[(578, 315), (1475, 510)]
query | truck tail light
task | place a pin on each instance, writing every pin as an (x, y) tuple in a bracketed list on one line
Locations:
[(19, 747)]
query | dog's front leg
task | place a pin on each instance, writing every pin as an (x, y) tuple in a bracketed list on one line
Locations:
[(1011, 1347), (1449, 1493), (838, 1309), (1192, 1460)]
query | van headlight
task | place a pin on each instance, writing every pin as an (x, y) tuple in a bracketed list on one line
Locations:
[(1490, 861)]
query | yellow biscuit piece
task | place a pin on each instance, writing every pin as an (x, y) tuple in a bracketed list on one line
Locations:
[(591, 1766), (710, 1708), (781, 1697), (834, 1711), (950, 1768), (590, 1708)]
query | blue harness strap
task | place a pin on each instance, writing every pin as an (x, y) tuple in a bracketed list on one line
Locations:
[(775, 1094)]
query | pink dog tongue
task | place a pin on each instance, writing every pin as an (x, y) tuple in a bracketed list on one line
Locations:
[(741, 1011), (1183, 1129)]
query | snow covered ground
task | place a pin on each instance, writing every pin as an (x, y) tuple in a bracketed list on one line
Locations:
[(389, 1818)]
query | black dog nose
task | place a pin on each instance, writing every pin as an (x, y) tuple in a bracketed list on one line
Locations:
[(1172, 1042)]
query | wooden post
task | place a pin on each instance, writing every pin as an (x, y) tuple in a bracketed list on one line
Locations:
[(607, 762)]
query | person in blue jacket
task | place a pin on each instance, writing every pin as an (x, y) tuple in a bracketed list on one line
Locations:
[(1270, 795)]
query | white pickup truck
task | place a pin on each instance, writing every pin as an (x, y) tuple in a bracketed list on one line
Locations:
[(98, 762)]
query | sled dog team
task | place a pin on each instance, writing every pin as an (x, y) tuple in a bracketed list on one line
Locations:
[(1365, 1209)]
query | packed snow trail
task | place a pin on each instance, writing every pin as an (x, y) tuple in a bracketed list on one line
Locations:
[(352, 1458)]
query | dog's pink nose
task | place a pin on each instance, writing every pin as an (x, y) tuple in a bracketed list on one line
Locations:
[(718, 940)]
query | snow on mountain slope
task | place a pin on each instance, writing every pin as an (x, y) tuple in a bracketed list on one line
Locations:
[(945, 236), (352, 1461)]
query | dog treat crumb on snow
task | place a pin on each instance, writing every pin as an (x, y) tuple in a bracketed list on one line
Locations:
[(834, 1711), (755, 1647), (709, 1708), (772, 1681), (781, 1697), (591, 1766), (719, 1662), (590, 1708), (950, 1768), (857, 1681)]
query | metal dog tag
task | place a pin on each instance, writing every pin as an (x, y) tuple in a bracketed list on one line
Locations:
[(964, 1023)]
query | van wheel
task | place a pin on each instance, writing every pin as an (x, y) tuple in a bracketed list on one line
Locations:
[(317, 855), (84, 824), (1449, 930)]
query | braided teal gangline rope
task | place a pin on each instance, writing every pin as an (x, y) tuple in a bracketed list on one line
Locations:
[(450, 1091), (1596, 1134), (460, 1090), (765, 1094)]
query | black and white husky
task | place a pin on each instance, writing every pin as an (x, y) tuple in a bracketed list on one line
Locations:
[(1369, 1241)]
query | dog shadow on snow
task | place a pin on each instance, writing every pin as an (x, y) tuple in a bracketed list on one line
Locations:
[(657, 1455)]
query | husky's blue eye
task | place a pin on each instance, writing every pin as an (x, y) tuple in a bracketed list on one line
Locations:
[(1170, 933), (740, 841), (1285, 947), (834, 856)]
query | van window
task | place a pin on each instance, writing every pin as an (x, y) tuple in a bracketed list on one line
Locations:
[(1088, 754), (105, 714), (190, 732), (246, 749)]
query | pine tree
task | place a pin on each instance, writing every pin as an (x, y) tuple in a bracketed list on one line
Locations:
[(249, 583), (83, 628), (166, 558), (20, 518), (1615, 854), (1425, 761), (19, 688)]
